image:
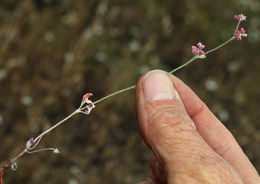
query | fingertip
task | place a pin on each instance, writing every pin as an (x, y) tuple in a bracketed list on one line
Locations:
[(161, 114)]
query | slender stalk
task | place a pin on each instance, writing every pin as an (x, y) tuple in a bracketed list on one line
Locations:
[(134, 86), (185, 64), (18, 156), (2, 174), (39, 150), (115, 93), (238, 24), (56, 125), (176, 69), (221, 45), (37, 139)]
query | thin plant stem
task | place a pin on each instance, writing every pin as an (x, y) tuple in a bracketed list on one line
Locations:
[(221, 45), (56, 125), (39, 150), (238, 24), (18, 156), (185, 64), (176, 69), (2, 174), (37, 139), (115, 93)]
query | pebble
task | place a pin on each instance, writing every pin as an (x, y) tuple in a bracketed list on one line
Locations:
[(211, 85), (27, 100)]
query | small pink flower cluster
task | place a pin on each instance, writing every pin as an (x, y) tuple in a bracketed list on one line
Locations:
[(239, 34), (240, 17), (86, 104), (242, 33), (197, 51)]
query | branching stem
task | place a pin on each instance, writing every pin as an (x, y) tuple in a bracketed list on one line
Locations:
[(79, 110)]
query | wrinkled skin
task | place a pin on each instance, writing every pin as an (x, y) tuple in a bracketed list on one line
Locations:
[(189, 143)]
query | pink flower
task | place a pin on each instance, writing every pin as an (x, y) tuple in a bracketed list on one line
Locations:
[(240, 17), (197, 51), (86, 96), (86, 104), (200, 45), (239, 34)]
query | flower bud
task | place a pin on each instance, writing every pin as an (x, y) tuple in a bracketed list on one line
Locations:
[(30, 143), (56, 151)]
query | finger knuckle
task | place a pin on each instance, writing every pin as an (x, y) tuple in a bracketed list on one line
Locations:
[(206, 168), (215, 167)]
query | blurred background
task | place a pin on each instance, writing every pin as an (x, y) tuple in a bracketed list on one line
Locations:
[(53, 51)]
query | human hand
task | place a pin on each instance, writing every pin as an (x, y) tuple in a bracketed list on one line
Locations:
[(189, 143)]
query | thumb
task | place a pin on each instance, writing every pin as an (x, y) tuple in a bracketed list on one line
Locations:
[(163, 121), (169, 131)]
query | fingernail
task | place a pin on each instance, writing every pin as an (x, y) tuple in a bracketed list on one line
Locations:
[(157, 85)]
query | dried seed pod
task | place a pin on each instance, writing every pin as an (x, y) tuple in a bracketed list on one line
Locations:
[(14, 166), (30, 143)]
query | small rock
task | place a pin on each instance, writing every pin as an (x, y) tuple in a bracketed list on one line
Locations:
[(101, 57), (98, 30), (143, 69), (134, 46), (223, 115), (49, 37), (72, 181), (232, 66), (211, 85), (27, 100), (68, 57)]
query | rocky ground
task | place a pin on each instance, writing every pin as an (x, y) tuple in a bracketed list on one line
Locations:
[(53, 51)]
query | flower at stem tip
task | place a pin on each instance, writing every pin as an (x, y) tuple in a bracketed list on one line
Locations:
[(56, 151), (86, 96), (240, 17), (86, 104), (239, 34), (242, 33), (197, 51)]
